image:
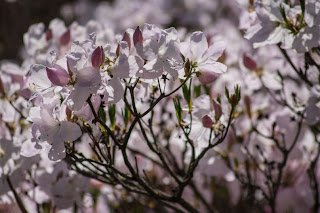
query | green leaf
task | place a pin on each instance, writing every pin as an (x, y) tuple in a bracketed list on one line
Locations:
[(236, 162), (197, 90), (102, 114), (227, 93), (178, 109), (183, 58), (219, 99), (112, 115), (187, 96), (61, 99), (126, 116), (206, 89), (303, 6)]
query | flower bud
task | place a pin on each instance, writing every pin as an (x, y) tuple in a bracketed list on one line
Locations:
[(137, 36), (207, 77), (187, 68), (233, 100), (97, 57), (65, 38), (2, 91), (127, 39), (247, 102), (207, 121), (58, 76), (118, 50), (217, 110), (249, 62), (49, 35)]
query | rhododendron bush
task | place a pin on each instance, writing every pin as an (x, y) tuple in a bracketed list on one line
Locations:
[(165, 106)]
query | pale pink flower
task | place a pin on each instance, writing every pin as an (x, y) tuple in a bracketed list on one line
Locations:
[(203, 57)]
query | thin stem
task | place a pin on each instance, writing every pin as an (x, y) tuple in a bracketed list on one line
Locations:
[(301, 75), (19, 201)]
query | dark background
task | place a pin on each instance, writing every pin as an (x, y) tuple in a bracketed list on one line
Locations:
[(17, 15)]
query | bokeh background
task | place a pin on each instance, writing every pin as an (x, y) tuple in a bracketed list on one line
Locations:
[(17, 15)]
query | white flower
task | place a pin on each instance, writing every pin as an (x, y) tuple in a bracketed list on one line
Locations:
[(271, 29), (204, 58), (160, 50), (54, 131)]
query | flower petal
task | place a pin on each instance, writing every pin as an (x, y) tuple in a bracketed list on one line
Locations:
[(69, 131), (214, 51), (57, 151), (58, 76), (38, 76), (198, 44)]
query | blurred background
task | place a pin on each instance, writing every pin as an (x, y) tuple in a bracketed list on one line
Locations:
[(17, 15)]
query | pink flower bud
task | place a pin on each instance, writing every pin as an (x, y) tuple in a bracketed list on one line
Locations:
[(207, 121), (207, 77), (68, 113), (127, 39), (49, 35), (118, 50), (247, 101), (249, 62), (97, 57), (137, 36), (24, 91), (65, 38), (1, 87), (58, 76), (217, 110)]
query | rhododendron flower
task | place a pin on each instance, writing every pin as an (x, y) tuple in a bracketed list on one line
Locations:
[(272, 28), (161, 52), (126, 65), (85, 112), (308, 37), (204, 58), (88, 82), (206, 115), (54, 131)]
